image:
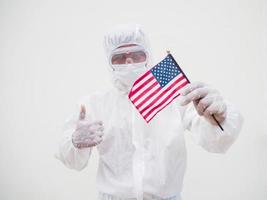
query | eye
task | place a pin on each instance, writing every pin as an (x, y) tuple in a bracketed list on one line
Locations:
[(139, 56), (118, 59)]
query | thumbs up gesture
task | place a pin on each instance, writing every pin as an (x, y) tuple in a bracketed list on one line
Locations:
[(87, 134)]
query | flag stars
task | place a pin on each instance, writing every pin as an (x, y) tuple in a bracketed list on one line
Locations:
[(165, 71)]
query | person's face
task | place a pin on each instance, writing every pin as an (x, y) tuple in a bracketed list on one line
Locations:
[(129, 56)]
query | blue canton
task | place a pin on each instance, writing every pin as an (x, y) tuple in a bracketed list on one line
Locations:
[(165, 71)]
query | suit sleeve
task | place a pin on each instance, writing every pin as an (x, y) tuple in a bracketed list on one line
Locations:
[(209, 136)]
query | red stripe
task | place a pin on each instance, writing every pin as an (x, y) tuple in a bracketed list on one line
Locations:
[(148, 97), (144, 92), (138, 80), (164, 92), (160, 110), (142, 85), (142, 77), (164, 100)]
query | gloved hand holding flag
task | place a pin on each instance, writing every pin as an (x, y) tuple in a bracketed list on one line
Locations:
[(158, 87)]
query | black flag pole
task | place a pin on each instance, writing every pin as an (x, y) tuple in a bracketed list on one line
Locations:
[(168, 52)]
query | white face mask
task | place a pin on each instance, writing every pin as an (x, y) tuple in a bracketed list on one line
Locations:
[(125, 75)]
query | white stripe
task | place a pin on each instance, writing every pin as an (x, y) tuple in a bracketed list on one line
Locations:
[(142, 81), (147, 94), (157, 94), (143, 89), (164, 96)]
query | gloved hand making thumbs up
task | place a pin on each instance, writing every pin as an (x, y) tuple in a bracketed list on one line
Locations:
[(87, 134)]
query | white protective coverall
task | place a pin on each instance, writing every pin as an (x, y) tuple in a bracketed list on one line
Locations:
[(138, 160)]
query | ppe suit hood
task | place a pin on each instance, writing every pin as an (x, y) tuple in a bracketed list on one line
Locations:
[(126, 34)]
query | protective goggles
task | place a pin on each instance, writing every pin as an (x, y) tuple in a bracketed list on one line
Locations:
[(135, 54)]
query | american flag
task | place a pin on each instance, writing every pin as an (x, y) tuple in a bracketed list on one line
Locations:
[(156, 88)]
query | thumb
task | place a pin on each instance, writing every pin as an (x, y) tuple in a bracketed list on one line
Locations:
[(82, 112)]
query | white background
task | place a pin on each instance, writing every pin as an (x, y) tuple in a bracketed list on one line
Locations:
[(51, 55)]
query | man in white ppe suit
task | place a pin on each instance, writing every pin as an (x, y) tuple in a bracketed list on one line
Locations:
[(138, 160)]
